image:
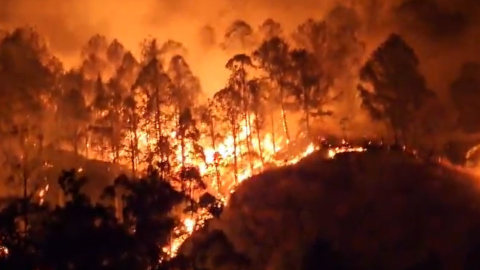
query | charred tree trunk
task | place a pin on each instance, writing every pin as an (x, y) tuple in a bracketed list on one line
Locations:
[(25, 176), (158, 127), (235, 161), (306, 101), (215, 161), (134, 145), (284, 115), (259, 140), (245, 101), (272, 122), (132, 157)]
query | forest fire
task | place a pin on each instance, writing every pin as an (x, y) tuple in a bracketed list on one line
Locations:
[(170, 152), (221, 168)]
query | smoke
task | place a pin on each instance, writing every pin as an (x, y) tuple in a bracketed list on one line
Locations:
[(378, 209), (441, 31)]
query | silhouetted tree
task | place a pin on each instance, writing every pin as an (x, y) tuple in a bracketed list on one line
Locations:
[(148, 203), (310, 89), (74, 116), (210, 118), (258, 102), (188, 136), (398, 89), (154, 85), (186, 88), (238, 81), (229, 101), (93, 55), (273, 57)]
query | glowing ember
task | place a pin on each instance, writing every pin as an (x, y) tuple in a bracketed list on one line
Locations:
[(42, 192), (343, 149)]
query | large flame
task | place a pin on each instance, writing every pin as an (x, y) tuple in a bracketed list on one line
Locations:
[(223, 163)]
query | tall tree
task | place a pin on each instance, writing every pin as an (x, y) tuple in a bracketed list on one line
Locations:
[(191, 152), (258, 99), (229, 101), (185, 89), (312, 36), (273, 56), (210, 118), (74, 116), (26, 82), (149, 203), (310, 89), (93, 55), (114, 55), (238, 66), (131, 117), (154, 86), (398, 89)]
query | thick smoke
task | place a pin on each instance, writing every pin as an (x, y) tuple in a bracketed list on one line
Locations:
[(443, 32), (381, 210)]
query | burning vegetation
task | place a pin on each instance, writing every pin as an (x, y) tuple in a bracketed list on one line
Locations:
[(182, 150)]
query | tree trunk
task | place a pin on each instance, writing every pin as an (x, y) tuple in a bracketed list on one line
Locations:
[(214, 147), (25, 176), (132, 157), (249, 141), (259, 140), (159, 126), (285, 124), (235, 161), (247, 122), (272, 120), (307, 115), (134, 146)]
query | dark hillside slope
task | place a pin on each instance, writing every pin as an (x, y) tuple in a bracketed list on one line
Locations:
[(379, 210)]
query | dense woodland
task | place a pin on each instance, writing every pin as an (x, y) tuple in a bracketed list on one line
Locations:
[(148, 117)]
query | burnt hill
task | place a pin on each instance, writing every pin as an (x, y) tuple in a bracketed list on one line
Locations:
[(379, 210)]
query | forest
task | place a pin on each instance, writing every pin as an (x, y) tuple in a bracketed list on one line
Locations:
[(162, 155)]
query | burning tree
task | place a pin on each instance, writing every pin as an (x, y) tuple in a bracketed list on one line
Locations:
[(310, 89), (238, 81), (153, 85), (274, 58), (93, 54), (229, 101), (27, 80), (210, 118), (74, 116)]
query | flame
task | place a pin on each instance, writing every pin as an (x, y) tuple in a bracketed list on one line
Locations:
[(223, 163)]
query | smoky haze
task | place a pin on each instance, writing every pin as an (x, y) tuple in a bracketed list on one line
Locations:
[(442, 32)]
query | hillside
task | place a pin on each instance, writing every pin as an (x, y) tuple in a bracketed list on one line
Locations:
[(378, 209)]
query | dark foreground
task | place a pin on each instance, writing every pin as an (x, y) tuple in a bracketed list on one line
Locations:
[(373, 210)]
